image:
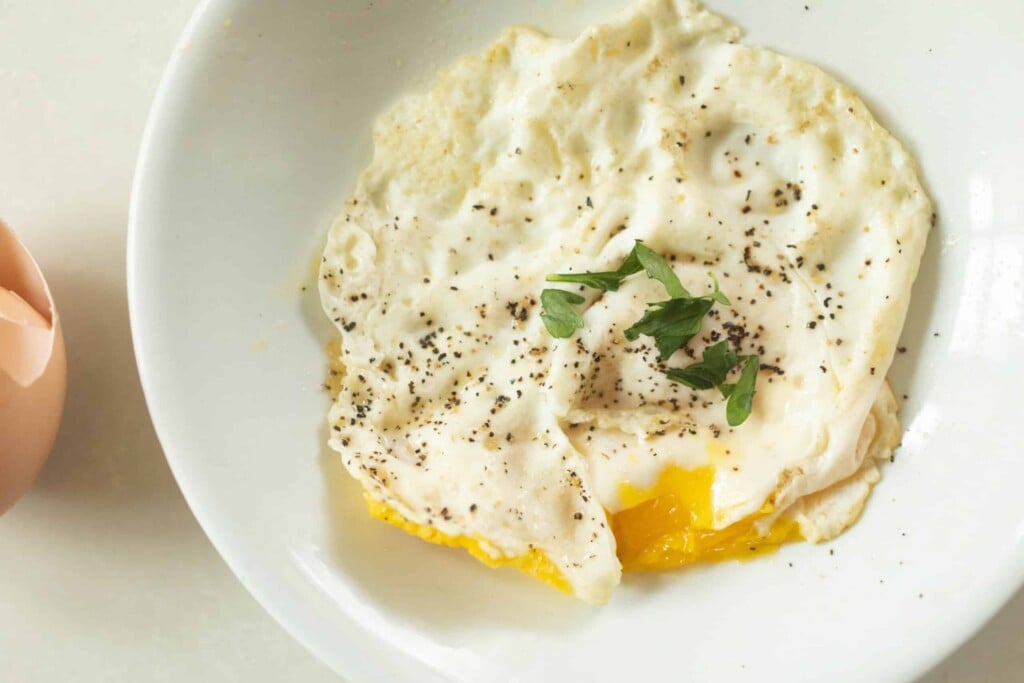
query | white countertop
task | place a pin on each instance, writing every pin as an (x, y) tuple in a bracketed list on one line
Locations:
[(105, 575)]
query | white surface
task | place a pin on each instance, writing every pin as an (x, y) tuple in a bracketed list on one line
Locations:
[(105, 575), (254, 144)]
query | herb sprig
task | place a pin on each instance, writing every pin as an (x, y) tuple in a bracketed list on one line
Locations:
[(607, 281), (671, 323), (559, 316), (712, 371), (740, 396), (640, 258)]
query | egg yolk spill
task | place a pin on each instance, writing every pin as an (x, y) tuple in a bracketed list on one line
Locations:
[(667, 526), (535, 563), (671, 525)]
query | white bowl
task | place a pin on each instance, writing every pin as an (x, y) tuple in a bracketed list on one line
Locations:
[(256, 135)]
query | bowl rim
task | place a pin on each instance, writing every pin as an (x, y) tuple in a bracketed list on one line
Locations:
[(918, 663)]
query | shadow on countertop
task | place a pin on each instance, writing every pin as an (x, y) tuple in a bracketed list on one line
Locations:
[(106, 454)]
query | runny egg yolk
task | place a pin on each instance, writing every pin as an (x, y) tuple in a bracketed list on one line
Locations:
[(666, 526), (535, 563), (672, 524)]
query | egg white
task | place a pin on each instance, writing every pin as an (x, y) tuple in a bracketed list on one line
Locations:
[(459, 411)]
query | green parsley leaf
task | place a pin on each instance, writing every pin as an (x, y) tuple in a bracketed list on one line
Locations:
[(658, 269), (631, 265), (717, 295), (671, 323), (741, 394), (609, 280), (640, 258), (558, 315), (718, 361)]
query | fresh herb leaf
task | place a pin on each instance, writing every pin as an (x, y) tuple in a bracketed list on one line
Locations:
[(719, 360), (717, 295), (659, 269), (640, 258), (741, 394), (631, 265), (609, 281), (671, 323), (558, 315)]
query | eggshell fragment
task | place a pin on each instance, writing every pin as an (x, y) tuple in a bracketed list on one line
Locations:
[(33, 369)]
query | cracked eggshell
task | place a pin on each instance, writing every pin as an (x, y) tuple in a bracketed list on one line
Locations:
[(33, 369)]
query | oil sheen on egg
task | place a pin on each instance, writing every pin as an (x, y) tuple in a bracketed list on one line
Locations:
[(467, 424)]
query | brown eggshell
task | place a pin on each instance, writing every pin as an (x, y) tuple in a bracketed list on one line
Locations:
[(33, 369)]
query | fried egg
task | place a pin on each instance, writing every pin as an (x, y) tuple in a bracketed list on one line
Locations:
[(469, 425)]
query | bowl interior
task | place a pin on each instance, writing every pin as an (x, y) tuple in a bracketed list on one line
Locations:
[(256, 137)]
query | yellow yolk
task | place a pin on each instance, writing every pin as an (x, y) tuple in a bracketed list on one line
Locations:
[(535, 562), (671, 525), (667, 526)]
